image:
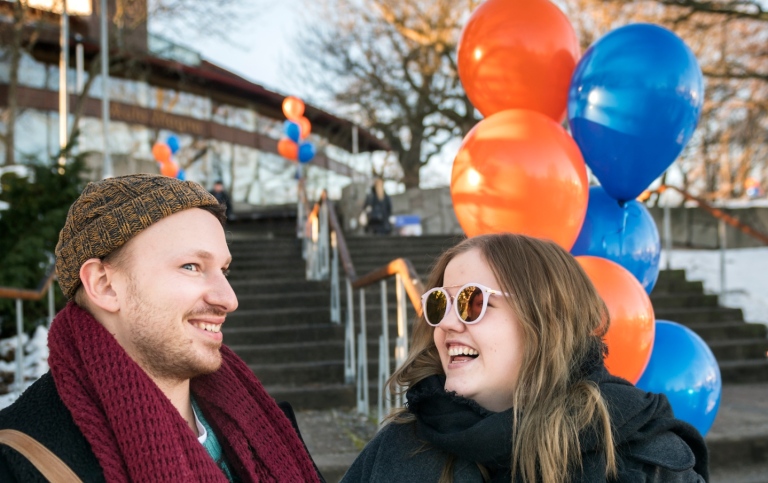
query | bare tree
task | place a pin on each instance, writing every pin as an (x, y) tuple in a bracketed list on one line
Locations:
[(392, 65)]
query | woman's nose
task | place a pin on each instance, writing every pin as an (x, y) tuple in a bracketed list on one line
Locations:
[(451, 322)]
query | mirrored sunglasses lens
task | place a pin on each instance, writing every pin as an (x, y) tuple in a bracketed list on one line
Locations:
[(470, 303), (435, 307)]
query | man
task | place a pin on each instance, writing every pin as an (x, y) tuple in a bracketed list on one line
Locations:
[(223, 197), (140, 387)]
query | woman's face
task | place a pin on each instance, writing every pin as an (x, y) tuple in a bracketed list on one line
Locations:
[(487, 355)]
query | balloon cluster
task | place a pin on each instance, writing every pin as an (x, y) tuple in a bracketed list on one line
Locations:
[(296, 130), (632, 103), (163, 153)]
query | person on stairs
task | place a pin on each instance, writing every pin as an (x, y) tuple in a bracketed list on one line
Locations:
[(140, 386), (378, 209), (505, 382)]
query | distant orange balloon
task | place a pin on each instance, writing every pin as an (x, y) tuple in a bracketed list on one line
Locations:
[(161, 152), (519, 171), (632, 330), (305, 127), (293, 107), (518, 55), (288, 149), (170, 169)]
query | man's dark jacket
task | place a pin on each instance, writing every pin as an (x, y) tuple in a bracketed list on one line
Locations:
[(40, 413)]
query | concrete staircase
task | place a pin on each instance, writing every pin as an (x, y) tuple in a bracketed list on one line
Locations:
[(282, 328)]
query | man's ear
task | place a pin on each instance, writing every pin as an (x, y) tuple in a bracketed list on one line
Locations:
[(97, 283)]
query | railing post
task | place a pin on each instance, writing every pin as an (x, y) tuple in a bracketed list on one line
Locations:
[(51, 305), (721, 234), (19, 380), (668, 235), (384, 403), (335, 296), (324, 235), (401, 348), (363, 406), (349, 338)]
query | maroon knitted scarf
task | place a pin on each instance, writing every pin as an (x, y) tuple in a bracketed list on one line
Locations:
[(138, 435)]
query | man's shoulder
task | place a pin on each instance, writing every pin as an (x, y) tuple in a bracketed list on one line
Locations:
[(39, 399), (40, 413)]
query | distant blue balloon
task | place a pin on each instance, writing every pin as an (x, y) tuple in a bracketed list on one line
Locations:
[(306, 152), (625, 234), (173, 143), (292, 130), (683, 368), (181, 175), (633, 104)]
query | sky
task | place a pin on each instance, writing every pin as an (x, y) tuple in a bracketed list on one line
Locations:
[(262, 50), (258, 48)]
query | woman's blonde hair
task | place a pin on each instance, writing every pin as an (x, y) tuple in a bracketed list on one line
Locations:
[(563, 320)]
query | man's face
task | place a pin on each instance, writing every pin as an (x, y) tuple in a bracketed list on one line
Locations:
[(174, 296), (218, 187)]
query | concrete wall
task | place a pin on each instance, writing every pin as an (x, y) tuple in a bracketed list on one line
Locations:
[(691, 227)]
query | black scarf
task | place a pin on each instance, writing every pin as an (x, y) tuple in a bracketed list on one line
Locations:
[(461, 427), (642, 423)]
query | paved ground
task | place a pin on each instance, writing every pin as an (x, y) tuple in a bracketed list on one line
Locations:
[(336, 437)]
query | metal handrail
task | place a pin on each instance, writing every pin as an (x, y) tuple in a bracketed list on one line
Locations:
[(717, 213), (723, 219), (330, 243), (45, 286)]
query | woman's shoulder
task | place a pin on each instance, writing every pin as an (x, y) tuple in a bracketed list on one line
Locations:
[(396, 454), (649, 438)]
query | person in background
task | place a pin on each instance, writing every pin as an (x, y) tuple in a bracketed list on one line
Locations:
[(223, 198), (141, 387), (378, 209), (505, 382)]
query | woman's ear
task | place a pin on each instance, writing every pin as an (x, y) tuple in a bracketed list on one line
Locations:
[(96, 278)]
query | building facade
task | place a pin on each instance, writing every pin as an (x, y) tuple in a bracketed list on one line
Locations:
[(228, 127)]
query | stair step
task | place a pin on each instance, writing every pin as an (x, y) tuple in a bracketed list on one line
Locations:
[(282, 334), (315, 396), (301, 351), (666, 300), (690, 315), (739, 349), (740, 372), (299, 373), (728, 330)]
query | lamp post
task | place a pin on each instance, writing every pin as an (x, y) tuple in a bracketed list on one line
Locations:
[(63, 94), (108, 172)]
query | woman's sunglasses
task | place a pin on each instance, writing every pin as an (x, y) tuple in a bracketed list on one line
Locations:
[(470, 302)]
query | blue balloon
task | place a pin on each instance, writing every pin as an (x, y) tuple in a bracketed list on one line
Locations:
[(623, 233), (306, 152), (683, 368), (292, 130), (173, 143), (181, 175), (633, 104)]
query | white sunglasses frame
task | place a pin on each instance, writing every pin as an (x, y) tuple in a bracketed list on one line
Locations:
[(450, 298)]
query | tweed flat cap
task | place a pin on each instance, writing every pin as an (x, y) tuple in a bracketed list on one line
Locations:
[(110, 212)]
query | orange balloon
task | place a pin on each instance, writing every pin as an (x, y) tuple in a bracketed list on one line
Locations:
[(288, 149), (305, 127), (161, 152), (519, 171), (293, 107), (518, 55), (630, 335), (170, 169)]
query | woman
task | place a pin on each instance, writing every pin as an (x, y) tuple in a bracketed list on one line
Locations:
[(378, 208), (505, 382)]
